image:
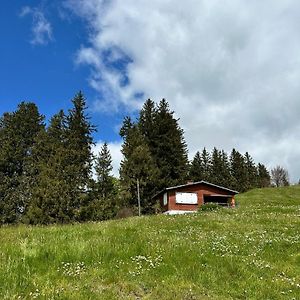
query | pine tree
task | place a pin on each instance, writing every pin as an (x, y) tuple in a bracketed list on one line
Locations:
[(146, 123), (251, 179), (169, 149), (206, 161), (137, 164), (51, 195), (103, 170), (196, 169), (216, 167), (226, 178), (103, 195), (264, 178), (238, 171), (126, 126), (18, 131), (78, 143)]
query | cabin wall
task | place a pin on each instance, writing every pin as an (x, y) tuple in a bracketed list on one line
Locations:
[(200, 190)]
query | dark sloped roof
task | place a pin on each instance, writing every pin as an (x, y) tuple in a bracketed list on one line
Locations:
[(195, 183)]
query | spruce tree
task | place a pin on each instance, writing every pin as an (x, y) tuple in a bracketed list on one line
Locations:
[(169, 148), (18, 131), (251, 170), (196, 169), (226, 178), (206, 161), (216, 167), (52, 194), (79, 142), (264, 178), (146, 123), (137, 164), (238, 171), (103, 194), (126, 126), (103, 168)]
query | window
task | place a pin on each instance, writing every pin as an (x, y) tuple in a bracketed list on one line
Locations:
[(186, 198), (165, 198)]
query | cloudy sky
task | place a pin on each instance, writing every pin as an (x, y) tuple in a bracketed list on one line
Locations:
[(229, 69)]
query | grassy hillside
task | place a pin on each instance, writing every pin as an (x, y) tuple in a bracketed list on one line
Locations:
[(251, 252)]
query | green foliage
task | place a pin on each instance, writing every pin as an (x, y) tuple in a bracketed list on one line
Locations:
[(237, 172), (18, 131), (103, 204), (210, 207), (170, 149), (137, 164), (251, 252), (154, 152)]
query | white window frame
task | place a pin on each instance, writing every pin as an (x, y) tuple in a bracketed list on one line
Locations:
[(165, 199), (186, 198)]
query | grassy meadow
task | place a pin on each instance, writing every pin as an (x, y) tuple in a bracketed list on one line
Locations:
[(251, 252)]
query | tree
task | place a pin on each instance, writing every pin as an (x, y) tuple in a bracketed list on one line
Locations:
[(279, 176), (238, 171), (196, 168), (264, 178), (217, 171), (51, 200), (79, 142), (18, 131), (102, 202), (103, 170), (251, 172), (206, 160), (168, 149), (126, 126), (137, 164), (146, 123)]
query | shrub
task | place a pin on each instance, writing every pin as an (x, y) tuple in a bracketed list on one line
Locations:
[(125, 212), (210, 207)]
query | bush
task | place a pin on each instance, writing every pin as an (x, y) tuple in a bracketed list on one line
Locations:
[(209, 207), (126, 212)]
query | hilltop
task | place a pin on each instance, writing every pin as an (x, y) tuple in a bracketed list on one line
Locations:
[(252, 251)]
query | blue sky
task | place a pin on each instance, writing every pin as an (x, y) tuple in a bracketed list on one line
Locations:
[(229, 69), (45, 71)]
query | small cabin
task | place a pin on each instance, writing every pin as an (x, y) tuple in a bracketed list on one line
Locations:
[(189, 197)]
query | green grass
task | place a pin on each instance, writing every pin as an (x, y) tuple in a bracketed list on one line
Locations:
[(251, 252)]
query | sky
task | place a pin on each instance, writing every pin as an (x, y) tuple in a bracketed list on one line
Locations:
[(229, 69)]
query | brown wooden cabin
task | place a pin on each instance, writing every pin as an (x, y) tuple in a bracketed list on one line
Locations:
[(188, 197)]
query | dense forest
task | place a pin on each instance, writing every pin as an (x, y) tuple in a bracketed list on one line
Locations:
[(49, 174)]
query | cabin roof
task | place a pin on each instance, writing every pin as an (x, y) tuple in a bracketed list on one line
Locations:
[(195, 183)]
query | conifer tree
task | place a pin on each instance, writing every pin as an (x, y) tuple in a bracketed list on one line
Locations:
[(196, 169), (103, 193), (79, 142), (226, 178), (51, 195), (137, 164), (126, 126), (103, 170), (169, 148), (264, 178), (206, 161), (238, 171), (146, 123), (18, 131), (251, 170), (216, 167)]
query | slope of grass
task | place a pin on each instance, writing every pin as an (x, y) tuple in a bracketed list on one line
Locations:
[(251, 252)]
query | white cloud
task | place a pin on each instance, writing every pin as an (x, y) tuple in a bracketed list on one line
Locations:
[(230, 69), (115, 151), (41, 28)]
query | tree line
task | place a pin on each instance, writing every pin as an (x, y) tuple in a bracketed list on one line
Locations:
[(49, 174)]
